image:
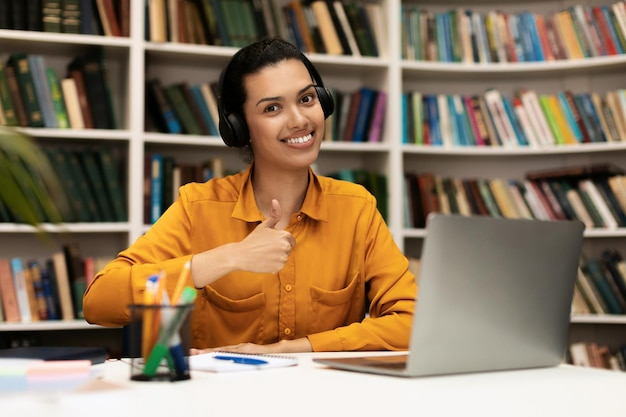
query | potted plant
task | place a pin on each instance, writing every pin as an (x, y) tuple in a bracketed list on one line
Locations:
[(28, 183)]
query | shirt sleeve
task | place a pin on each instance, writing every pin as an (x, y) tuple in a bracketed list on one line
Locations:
[(164, 248)]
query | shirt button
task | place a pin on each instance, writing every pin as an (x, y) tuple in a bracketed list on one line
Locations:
[(299, 217), (287, 331), (288, 287)]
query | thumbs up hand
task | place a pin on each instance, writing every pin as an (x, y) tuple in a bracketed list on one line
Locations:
[(267, 249)]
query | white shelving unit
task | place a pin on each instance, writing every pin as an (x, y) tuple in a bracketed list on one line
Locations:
[(584, 75), (130, 61)]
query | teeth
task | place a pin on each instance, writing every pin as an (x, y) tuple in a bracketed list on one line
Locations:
[(302, 139)]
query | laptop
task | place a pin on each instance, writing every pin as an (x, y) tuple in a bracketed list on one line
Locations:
[(494, 294)]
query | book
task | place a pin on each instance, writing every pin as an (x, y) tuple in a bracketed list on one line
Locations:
[(30, 290), (589, 292), (611, 258), (211, 102), (112, 184), (89, 65), (347, 28), (378, 117), (71, 16), (8, 108), (183, 111), (236, 362), (38, 285), (81, 92), (63, 285), (89, 165), (76, 276), (23, 74), (42, 90), (597, 272), (589, 187), (108, 18), (56, 95), (72, 103), (159, 109), (10, 305), (363, 119), (321, 11), (78, 211), (156, 187), (21, 290)]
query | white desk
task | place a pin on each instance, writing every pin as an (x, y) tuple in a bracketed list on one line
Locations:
[(310, 389)]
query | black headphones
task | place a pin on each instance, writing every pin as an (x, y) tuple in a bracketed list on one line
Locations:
[(233, 127)]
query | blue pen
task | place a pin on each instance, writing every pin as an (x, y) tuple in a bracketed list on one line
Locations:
[(241, 359), (162, 348)]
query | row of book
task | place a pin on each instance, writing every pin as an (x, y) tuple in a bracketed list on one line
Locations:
[(92, 190), (374, 182), (460, 35), (182, 107), (359, 116), (191, 108), (164, 175), (46, 289), (319, 26), (85, 17), (601, 284), (595, 355), (524, 118), (593, 194), (32, 94)]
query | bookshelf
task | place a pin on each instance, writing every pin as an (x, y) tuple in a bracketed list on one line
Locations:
[(132, 60), (580, 75)]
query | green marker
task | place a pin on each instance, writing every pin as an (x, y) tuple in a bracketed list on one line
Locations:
[(162, 346)]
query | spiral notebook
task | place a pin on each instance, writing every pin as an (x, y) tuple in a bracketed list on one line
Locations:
[(233, 362)]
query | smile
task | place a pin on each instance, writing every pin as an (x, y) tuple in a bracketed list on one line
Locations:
[(303, 139)]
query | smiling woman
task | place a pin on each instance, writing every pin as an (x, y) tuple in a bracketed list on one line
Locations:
[(27, 180), (284, 260)]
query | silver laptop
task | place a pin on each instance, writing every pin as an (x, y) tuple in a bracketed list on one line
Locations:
[(494, 294)]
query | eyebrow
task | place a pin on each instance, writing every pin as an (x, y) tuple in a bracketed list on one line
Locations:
[(280, 97)]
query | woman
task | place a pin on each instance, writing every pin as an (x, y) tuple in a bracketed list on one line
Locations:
[(284, 260)]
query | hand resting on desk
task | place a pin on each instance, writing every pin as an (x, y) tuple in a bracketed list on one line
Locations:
[(284, 346)]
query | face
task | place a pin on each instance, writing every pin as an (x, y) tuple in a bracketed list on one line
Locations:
[(284, 116)]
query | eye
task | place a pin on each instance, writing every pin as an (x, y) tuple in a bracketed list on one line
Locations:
[(271, 108), (308, 98)]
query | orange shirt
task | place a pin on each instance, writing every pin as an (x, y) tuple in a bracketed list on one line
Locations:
[(344, 262)]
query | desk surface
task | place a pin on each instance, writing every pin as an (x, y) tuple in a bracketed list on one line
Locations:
[(310, 389)]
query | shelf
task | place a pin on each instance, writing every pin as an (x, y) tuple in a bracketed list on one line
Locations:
[(49, 325), (590, 233), (599, 319), (67, 228), (514, 151), (533, 69)]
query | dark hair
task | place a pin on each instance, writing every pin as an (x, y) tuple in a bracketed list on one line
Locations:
[(250, 60)]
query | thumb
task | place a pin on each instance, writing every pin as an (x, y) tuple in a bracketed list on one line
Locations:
[(275, 215)]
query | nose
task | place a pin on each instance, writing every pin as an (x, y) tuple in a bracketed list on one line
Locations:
[(297, 117)]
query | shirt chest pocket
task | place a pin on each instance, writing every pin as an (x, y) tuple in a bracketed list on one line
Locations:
[(229, 321), (330, 309)]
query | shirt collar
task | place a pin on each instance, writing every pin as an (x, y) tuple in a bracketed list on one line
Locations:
[(247, 210)]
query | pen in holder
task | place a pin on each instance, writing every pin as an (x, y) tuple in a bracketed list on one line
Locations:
[(159, 340)]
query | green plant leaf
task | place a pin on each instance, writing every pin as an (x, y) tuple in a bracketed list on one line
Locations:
[(27, 180)]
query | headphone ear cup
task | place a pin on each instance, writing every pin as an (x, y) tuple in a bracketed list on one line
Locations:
[(234, 131), (326, 100)]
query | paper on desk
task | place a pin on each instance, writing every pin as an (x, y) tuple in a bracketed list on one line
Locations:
[(233, 362), (21, 375)]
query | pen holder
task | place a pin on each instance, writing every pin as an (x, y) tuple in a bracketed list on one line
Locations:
[(159, 342)]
